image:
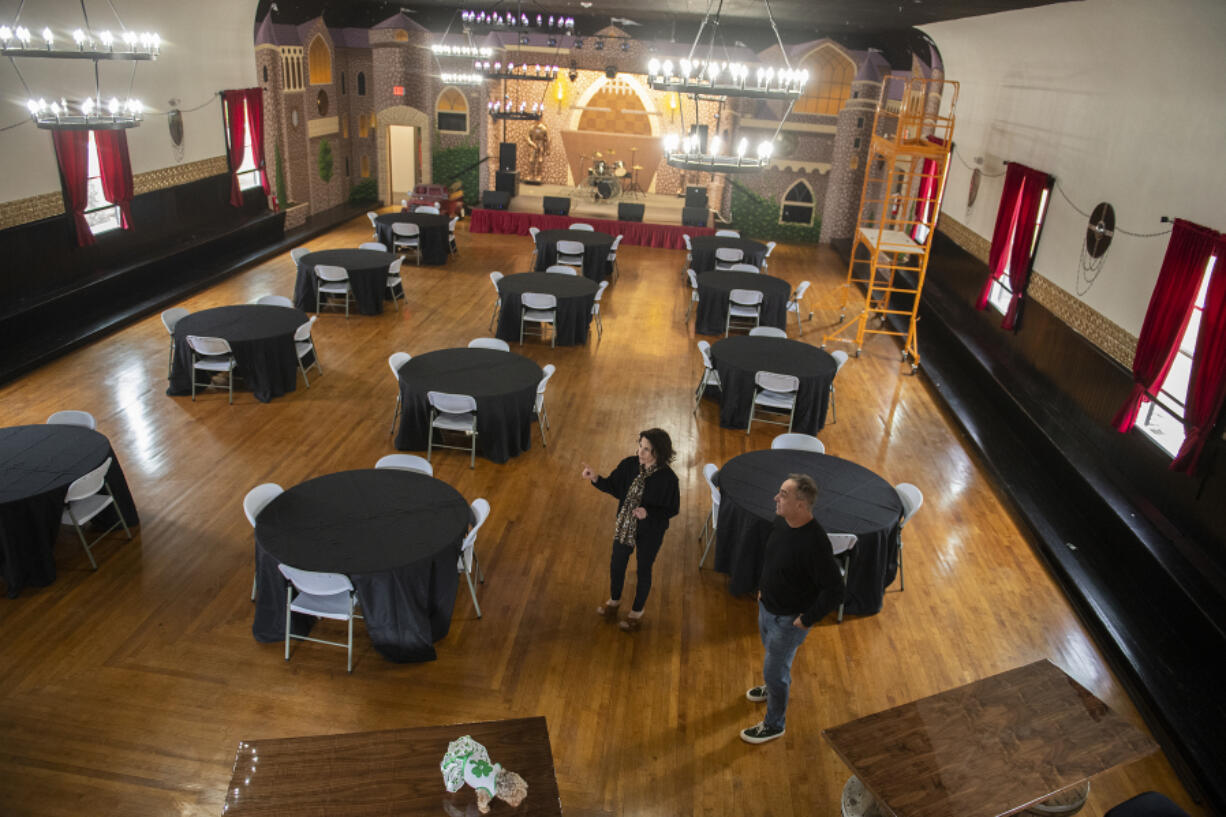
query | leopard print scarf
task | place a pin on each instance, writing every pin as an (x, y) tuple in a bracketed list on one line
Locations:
[(627, 524)]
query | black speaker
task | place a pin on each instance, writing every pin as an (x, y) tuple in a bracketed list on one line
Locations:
[(495, 200), (610, 71), (629, 212), (701, 132), (696, 197), (694, 216), (506, 156), (557, 206), (507, 182)]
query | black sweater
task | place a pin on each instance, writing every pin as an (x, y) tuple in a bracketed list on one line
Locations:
[(799, 573), (661, 497)]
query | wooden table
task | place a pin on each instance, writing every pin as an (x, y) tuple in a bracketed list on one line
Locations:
[(989, 748), (385, 773)]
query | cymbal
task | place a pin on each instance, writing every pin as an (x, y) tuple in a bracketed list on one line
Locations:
[(637, 167), (598, 155)]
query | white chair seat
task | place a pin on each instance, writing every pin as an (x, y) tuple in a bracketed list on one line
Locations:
[(334, 289), (455, 422), (774, 399), (214, 364), (85, 509), (333, 606), (743, 311), (539, 315)]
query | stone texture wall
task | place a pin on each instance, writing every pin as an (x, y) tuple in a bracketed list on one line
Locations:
[(853, 136)]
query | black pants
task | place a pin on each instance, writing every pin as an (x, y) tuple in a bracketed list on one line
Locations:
[(645, 558)]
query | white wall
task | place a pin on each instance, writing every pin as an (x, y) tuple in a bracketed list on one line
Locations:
[(1121, 100), (206, 48)]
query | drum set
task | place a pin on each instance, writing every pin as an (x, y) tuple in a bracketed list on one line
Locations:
[(608, 179)]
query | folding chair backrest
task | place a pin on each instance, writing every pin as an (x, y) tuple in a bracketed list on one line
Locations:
[(801, 289), (548, 370), (840, 359), (303, 333), (561, 269), (373, 245), (274, 300), (745, 297), (89, 484), (705, 348), (317, 584), (686, 238), (728, 255), (451, 403), (72, 417), (743, 268), (581, 226), (172, 316), (728, 233), (841, 542), (495, 277), (202, 345), (799, 442), (489, 343), (258, 497), (451, 224), (481, 512), (327, 272), (394, 267), (405, 228), (539, 300), (372, 215), (693, 276), (570, 247), (406, 462), (911, 497), (617, 242), (532, 231), (425, 208), (772, 381), (600, 290), (770, 248), (397, 359), (767, 332), (297, 253), (708, 472)]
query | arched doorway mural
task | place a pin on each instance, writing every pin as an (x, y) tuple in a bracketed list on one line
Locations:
[(617, 118), (402, 117)]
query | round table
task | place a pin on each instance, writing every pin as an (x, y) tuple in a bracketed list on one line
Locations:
[(503, 384), (575, 295), (715, 287), (596, 248), (434, 235), (739, 358), (396, 534), (37, 464), (850, 499), (703, 247), (367, 277), (261, 337)]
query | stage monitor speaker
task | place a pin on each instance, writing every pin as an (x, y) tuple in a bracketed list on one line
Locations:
[(696, 197), (495, 200), (506, 156), (694, 216), (507, 182), (557, 206), (630, 212), (701, 132)]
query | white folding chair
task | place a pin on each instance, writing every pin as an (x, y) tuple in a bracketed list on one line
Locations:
[(495, 277), (170, 317), (799, 442), (770, 248), (728, 233), (570, 253), (750, 268), (331, 281), (394, 282), (689, 249), (489, 343), (254, 502), (710, 377), (85, 500), (211, 355), (840, 360), (745, 306), (708, 472), (297, 253), (612, 257), (323, 595), (725, 257), (374, 224), (538, 409), (540, 308), (559, 269), (767, 332), (596, 308), (404, 205), (426, 208), (406, 236), (378, 246), (842, 544), (406, 462), (532, 231), (453, 412), (693, 277), (468, 551), (580, 226), (72, 417), (794, 304), (912, 498), (454, 247), (304, 345), (274, 300), (777, 394), (395, 361)]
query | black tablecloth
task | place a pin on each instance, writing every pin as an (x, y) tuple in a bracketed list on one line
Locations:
[(850, 499), (37, 464), (367, 277), (503, 383), (396, 534), (575, 295), (261, 337), (703, 247), (739, 358), (714, 288), (596, 248), (435, 235)]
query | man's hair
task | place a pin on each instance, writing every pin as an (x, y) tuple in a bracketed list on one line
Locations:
[(806, 488)]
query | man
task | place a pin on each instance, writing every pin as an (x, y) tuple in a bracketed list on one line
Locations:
[(800, 584)]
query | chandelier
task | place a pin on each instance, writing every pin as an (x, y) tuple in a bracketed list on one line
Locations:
[(726, 79), (505, 110), (511, 19), (522, 71), (444, 50)]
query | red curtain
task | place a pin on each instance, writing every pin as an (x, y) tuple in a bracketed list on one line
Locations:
[(237, 117), (116, 171), (72, 154), (255, 115), (1207, 385), (1170, 306), (1016, 219), (927, 192)]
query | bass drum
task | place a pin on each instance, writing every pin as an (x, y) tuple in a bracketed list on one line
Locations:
[(608, 188)]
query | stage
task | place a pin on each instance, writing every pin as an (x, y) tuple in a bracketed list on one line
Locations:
[(660, 209)]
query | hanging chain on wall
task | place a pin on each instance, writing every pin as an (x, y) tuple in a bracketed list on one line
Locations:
[(1099, 233)]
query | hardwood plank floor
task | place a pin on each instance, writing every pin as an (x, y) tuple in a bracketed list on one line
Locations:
[(126, 690)]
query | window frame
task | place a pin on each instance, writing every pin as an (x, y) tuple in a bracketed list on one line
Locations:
[(1001, 292), (438, 125), (248, 170), (811, 204), (104, 217)]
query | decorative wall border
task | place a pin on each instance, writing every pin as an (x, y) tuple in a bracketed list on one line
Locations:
[(1108, 336), (46, 205)]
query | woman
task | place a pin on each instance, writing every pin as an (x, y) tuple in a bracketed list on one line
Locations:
[(647, 489)]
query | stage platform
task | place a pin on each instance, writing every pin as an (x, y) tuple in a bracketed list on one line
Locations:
[(659, 209)]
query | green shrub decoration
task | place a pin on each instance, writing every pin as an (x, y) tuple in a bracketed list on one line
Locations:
[(364, 192), (448, 164), (325, 160), (758, 217)]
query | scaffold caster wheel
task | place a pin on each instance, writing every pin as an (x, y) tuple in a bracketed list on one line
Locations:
[(856, 353), (914, 368)]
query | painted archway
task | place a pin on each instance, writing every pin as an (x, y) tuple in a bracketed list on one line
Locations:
[(407, 117)]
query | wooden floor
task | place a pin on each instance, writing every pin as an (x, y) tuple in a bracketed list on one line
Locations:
[(126, 690)]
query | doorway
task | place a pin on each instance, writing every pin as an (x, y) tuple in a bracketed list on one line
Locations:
[(402, 156)]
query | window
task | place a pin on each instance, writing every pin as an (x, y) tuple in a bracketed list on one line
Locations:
[(361, 83), (248, 171), (319, 59), (1002, 292), (344, 127), (100, 214), (266, 73), (832, 73), (363, 130), (452, 111), (291, 68), (1162, 422), (797, 205), (365, 165), (343, 91), (346, 166)]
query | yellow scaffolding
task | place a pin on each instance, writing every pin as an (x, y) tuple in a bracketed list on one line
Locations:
[(900, 201)]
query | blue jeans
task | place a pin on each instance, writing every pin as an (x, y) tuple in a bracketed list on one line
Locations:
[(781, 638)]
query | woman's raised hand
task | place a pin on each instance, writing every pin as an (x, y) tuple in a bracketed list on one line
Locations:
[(588, 473)]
